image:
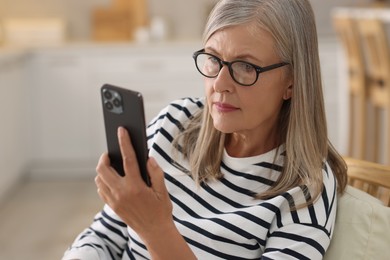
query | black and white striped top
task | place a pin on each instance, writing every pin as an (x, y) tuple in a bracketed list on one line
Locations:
[(220, 220)]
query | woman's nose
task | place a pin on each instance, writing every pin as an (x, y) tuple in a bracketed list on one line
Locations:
[(224, 81)]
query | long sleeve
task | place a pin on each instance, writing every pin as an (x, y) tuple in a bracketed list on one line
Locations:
[(297, 241), (106, 238)]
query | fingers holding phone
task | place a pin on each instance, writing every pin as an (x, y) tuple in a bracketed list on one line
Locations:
[(124, 108), (131, 167), (142, 207), (129, 158), (113, 188)]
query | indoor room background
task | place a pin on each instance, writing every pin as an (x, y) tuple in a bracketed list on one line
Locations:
[(56, 54)]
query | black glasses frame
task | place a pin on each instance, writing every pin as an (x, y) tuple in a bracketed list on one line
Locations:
[(229, 65)]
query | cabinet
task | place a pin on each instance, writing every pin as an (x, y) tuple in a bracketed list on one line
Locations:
[(162, 74), (68, 123), (15, 124), (59, 102)]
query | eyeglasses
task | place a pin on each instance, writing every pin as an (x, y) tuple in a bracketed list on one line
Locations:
[(242, 72)]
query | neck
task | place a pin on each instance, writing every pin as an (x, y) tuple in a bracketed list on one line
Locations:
[(244, 145)]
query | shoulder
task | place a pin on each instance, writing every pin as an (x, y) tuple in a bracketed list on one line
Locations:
[(330, 184), (180, 109), (323, 210), (319, 213), (174, 117)]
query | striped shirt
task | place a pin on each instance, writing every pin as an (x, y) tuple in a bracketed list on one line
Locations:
[(220, 220)]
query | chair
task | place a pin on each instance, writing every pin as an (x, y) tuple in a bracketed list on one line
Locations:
[(377, 56), (347, 32), (361, 229), (362, 223), (370, 177)]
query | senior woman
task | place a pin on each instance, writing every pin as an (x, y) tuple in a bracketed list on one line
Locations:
[(247, 172)]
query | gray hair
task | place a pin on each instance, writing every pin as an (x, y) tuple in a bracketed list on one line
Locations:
[(302, 123)]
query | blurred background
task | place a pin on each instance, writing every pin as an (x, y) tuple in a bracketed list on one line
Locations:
[(54, 57)]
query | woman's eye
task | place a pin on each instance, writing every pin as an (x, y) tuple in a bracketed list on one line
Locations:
[(213, 60), (249, 68), (245, 67)]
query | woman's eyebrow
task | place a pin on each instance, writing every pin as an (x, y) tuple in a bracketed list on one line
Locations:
[(244, 57), (211, 50)]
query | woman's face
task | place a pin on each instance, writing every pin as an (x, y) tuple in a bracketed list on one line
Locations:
[(240, 109)]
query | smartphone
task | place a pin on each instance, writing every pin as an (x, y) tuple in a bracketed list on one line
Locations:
[(124, 107)]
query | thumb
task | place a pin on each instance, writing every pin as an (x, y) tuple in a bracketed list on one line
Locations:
[(156, 176)]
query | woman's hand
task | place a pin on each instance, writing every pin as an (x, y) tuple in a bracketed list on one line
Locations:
[(147, 210)]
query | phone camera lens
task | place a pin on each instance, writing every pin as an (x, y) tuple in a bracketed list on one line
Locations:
[(107, 94), (117, 102), (108, 105)]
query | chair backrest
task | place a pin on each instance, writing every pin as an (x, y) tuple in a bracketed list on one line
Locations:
[(376, 52), (377, 57), (370, 177), (348, 35)]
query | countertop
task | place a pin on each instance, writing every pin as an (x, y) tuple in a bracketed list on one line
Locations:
[(11, 55)]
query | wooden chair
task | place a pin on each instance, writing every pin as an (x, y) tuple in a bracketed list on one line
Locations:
[(377, 57), (370, 177), (347, 32)]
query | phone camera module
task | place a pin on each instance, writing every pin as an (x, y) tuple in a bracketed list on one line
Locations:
[(107, 94), (108, 105), (112, 101), (116, 102)]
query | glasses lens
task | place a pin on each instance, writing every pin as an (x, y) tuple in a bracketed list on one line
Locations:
[(208, 65), (243, 73)]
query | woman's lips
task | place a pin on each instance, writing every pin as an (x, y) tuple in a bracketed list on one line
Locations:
[(224, 107)]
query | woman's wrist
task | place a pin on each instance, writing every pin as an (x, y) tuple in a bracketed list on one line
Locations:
[(167, 243)]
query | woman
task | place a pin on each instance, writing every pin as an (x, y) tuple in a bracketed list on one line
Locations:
[(246, 172)]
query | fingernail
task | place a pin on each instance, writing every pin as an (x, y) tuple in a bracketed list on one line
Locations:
[(120, 130), (153, 162)]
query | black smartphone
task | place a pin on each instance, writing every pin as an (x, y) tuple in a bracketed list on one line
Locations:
[(124, 107)]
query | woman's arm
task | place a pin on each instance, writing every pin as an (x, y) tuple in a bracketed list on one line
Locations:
[(107, 236), (297, 241)]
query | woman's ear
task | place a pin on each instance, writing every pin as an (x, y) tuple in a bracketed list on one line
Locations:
[(288, 92)]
